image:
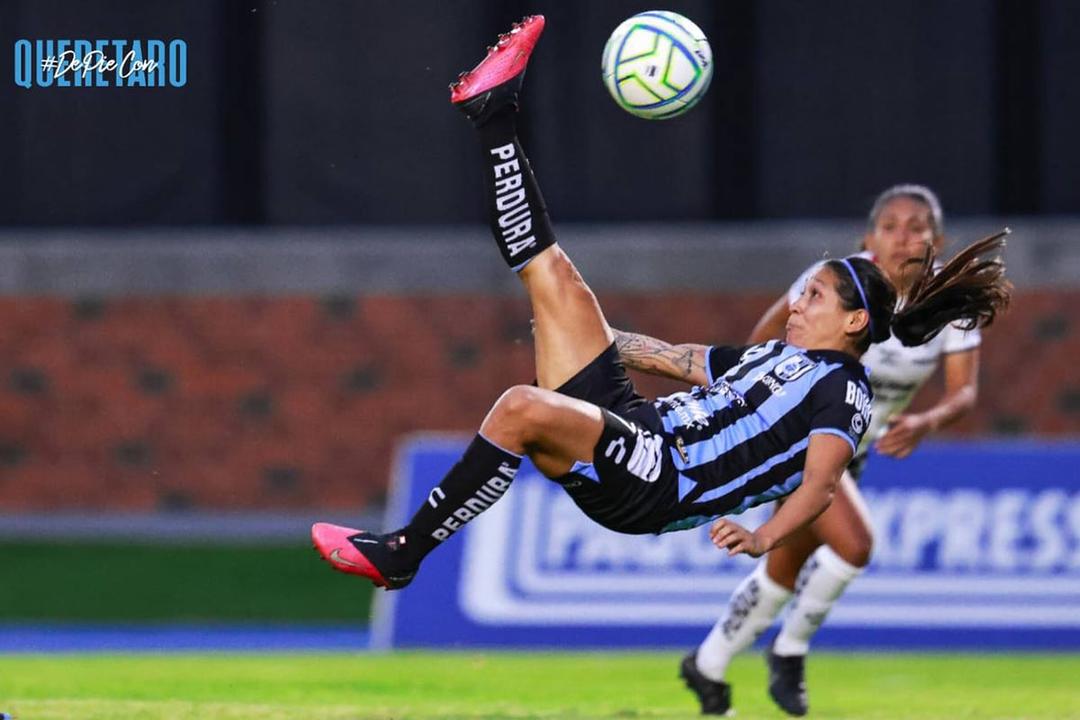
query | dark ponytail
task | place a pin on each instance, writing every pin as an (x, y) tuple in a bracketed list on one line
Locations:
[(968, 289)]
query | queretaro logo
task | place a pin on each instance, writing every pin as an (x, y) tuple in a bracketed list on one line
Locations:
[(146, 63), (1010, 552)]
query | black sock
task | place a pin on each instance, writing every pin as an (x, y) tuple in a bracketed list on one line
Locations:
[(473, 485), (516, 210)]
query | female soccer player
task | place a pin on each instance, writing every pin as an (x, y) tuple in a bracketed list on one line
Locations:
[(776, 419), (815, 566)]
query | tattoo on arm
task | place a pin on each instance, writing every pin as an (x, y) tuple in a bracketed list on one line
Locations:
[(680, 362)]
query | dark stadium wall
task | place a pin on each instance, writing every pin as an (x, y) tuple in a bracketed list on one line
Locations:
[(337, 112)]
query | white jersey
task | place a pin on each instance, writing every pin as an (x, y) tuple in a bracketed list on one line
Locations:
[(897, 372)]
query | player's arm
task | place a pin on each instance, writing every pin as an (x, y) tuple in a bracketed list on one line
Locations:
[(826, 457), (773, 324), (686, 362), (907, 430)]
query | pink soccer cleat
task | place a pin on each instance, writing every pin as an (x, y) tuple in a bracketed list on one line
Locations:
[(357, 552), (496, 81)]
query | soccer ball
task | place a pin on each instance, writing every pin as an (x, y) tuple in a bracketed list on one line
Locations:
[(657, 64)]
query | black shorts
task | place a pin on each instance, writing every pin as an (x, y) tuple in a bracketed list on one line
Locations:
[(604, 382), (631, 486)]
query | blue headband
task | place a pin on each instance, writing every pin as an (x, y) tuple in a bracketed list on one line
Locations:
[(862, 294)]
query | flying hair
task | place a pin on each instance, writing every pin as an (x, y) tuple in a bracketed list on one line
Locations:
[(970, 290)]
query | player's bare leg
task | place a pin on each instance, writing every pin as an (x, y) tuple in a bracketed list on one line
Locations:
[(553, 430), (844, 527), (784, 563), (569, 329)]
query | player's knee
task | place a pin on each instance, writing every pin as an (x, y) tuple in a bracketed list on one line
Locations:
[(561, 272), (857, 549), (517, 412), (572, 279), (865, 549)]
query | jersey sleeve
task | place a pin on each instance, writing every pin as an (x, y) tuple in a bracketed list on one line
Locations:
[(796, 288), (720, 359), (955, 340), (840, 406)]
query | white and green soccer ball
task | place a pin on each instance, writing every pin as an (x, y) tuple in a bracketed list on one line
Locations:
[(657, 64)]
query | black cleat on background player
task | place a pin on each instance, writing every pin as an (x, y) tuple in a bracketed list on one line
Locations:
[(787, 682), (715, 697)]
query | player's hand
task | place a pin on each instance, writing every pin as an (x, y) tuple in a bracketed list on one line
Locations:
[(903, 436), (733, 537)]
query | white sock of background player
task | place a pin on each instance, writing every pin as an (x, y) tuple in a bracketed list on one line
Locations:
[(821, 582), (753, 606)]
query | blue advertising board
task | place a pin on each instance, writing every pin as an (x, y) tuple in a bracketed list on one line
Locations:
[(977, 545)]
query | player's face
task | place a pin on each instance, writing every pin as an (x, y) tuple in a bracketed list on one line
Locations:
[(902, 231), (818, 320)]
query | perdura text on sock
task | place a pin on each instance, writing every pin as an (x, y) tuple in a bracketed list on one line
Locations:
[(481, 500), (515, 215)]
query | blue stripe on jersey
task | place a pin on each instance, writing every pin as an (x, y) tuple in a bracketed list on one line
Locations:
[(748, 426), (686, 486), (585, 470), (778, 490), (759, 470)]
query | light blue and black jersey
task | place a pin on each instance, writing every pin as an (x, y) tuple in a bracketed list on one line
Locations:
[(741, 440)]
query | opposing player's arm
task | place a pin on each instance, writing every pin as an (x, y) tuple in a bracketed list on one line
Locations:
[(961, 389), (773, 324), (686, 362), (826, 457), (907, 430)]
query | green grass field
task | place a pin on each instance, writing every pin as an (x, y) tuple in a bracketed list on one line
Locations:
[(535, 685)]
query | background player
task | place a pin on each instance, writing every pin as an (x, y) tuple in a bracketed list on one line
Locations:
[(826, 556)]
